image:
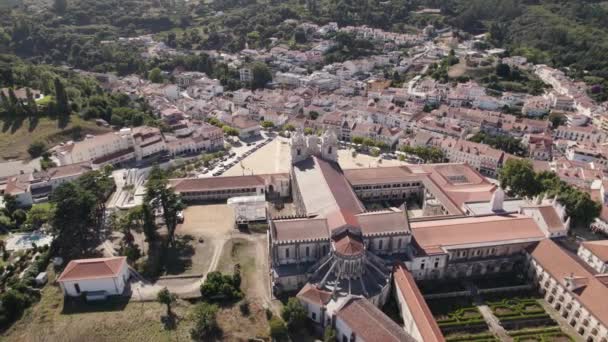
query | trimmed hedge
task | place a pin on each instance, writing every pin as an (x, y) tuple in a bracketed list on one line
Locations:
[(535, 331), (483, 337), (459, 315), (549, 337), (462, 323)]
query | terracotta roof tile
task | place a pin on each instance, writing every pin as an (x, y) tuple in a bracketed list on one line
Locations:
[(475, 230), (95, 268), (425, 322), (560, 264), (598, 248), (369, 323)]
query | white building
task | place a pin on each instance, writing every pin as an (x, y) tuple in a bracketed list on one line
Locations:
[(595, 254), (95, 278)]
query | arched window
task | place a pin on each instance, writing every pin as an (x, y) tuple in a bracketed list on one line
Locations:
[(307, 251), (287, 252)]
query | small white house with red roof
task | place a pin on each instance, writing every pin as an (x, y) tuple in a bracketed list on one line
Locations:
[(97, 277)]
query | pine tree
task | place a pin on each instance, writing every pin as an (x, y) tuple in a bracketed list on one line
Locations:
[(4, 102), (31, 106), (63, 105), (15, 104)]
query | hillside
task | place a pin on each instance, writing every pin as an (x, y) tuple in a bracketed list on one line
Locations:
[(15, 139)]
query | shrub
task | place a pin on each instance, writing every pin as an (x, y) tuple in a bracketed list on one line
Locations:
[(221, 287), (244, 307), (329, 334), (278, 329), (294, 314), (36, 149), (205, 324)]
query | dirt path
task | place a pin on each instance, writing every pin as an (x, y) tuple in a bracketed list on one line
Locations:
[(183, 288)]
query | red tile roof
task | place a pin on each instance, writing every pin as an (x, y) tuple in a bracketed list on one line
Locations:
[(348, 245), (202, 184), (431, 235), (314, 295), (425, 322), (369, 323), (549, 214), (95, 268), (560, 265), (300, 229), (598, 248)]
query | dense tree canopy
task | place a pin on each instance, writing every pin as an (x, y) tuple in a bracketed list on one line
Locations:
[(519, 178)]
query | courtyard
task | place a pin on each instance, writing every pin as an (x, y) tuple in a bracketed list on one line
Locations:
[(493, 308)]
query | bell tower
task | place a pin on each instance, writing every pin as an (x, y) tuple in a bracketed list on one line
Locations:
[(299, 150), (329, 146)]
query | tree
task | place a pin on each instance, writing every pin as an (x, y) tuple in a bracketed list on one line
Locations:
[(503, 70), (36, 149), (19, 216), (329, 335), (278, 330), (220, 286), (369, 142), (267, 124), (6, 223), (261, 75), (161, 196), (167, 298), (313, 114), (155, 76), (73, 220), (289, 127), (10, 204), (100, 184), (205, 323), (148, 223), (308, 131), (39, 215), (557, 120), (60, 6), (357, 140), (32, 107), (63, 105), (518, 178), (294, 314)]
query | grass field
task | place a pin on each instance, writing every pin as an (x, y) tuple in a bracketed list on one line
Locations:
[(15, 138), (235, 326), (48, 320)]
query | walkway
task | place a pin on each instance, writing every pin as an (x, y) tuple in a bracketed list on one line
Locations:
[(491, 320), (187, 287), (494, 324)]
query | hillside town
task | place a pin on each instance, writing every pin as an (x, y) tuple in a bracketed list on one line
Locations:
[(379, 199)]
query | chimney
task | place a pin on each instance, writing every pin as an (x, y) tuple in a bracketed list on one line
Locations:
[(498, 198)]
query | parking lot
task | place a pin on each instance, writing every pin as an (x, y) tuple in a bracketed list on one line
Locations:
[(235, 156), (272, 157), (271, 154)]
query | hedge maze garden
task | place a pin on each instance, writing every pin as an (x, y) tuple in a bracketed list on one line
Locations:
[(517, 313)]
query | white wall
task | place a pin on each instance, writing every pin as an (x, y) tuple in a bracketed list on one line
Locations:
[(112, 286)]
